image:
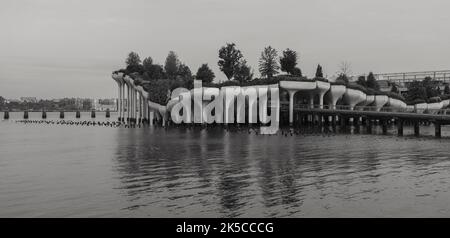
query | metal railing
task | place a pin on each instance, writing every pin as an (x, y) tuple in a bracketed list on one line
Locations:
[(371, 109), (440, 75)]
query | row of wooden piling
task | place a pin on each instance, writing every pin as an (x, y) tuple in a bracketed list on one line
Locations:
[(61, 114), (343, 121)]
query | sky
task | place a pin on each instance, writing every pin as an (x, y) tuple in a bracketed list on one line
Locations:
[(68, 48)]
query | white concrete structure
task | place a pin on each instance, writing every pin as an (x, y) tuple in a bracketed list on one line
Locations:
[(420, 107), (334, 94), (322, 88), (353, 97), (369, 100), (121, 95), (295, 86), (380, 101), (134, 103)]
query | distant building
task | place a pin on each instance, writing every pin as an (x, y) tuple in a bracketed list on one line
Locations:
[(105, 104)]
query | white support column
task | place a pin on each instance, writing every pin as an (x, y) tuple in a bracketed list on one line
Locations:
[(321, 100), (129, 103), (122, 109), (311, 100), (132, 103), (291, 107), (135, 104), (140, 108), (118, 99)]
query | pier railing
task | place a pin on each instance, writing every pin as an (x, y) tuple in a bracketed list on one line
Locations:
[(371, 109)]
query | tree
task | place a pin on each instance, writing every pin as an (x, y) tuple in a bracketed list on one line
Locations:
[(289, 61), (2, 102), (172, 65), (319, 73), (362, 81), (345, 68), (184, 72), (205, 74), (243, 72), (133, 59), (416, 91), (431, 87), (343, 78), (394, 89), (268, 65), (154, 71), (147, 63), (229, 59), (372, 82), (297, 72), (447, 89)]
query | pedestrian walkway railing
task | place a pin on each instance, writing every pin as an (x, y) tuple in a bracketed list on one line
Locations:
[(371, 109)]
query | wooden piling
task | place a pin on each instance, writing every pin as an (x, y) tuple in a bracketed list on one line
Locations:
[(400, 127), (437, 129), (416, 128)]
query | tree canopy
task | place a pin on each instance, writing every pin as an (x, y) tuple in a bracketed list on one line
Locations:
[(288, 62), (229, 59), (362, 81), (133, 59), (268, 65), (171, 65), (243, 72), (205, 74), (371, 82), (425, 89), (319, 73)]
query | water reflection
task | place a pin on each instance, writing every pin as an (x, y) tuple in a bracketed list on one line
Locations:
[(189, 172)]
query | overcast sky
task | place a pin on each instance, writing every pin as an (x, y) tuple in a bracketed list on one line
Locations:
[(68, 48)]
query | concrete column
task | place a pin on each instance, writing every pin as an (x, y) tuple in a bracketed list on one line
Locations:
[(416, 128), (384, 126), (311, 100), (123, 102), (135, 104), (151, 116), (141, 114), (437, 129), (291, 107), (128, 103), (321, 100), (369, 125), (119, 96), (356, 121), (400, 127)]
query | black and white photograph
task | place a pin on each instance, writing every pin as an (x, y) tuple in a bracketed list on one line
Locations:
[(224, 109)]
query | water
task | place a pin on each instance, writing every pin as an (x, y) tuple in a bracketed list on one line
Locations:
[(78, 171)]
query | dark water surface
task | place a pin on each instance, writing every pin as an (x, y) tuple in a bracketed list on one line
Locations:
[(79, 171)]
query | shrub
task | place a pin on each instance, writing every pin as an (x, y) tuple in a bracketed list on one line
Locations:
[(434, 100), (395, 95), (416, 101), (445, 97)]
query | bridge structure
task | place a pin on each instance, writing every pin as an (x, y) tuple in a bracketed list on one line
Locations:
[(368, 116), (407, 77)]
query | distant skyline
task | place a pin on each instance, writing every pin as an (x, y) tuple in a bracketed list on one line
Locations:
[(55, 49)]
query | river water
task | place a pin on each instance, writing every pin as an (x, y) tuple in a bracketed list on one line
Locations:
[(86, 171)]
